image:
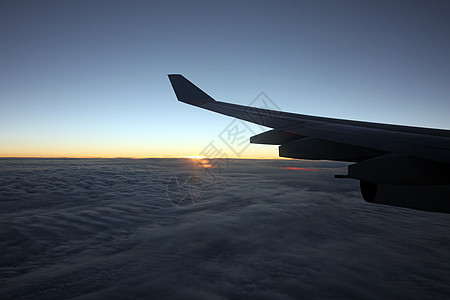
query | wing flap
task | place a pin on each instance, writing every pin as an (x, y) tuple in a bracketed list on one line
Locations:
[(317, 149), (274, 137)]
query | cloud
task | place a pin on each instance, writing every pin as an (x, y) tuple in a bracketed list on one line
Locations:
[(106, 229)]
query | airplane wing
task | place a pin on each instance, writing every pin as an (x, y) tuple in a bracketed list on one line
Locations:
[(384, 154)]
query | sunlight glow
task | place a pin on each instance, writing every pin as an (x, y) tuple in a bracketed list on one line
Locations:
[(313, 169)]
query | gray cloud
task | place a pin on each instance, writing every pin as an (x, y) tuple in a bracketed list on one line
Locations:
[(105, 229)]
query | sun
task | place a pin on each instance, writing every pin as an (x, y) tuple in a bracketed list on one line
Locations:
[(193, 156), (200, 161)]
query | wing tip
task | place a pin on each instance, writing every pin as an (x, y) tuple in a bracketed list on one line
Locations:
[(188, 92)]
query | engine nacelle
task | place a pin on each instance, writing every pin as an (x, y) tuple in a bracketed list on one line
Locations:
[(400, 170), (423, 197)]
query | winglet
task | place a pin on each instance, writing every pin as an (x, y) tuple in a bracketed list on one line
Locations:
[(187, 92)]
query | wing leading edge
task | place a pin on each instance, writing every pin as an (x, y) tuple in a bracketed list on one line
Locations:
[(384, 154)]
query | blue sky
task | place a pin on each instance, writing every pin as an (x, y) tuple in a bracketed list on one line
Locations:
[(88, 78)]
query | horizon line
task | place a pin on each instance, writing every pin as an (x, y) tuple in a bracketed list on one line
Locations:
[(143, 157)]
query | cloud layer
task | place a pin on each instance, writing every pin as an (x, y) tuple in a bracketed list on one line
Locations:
[(273, 229)]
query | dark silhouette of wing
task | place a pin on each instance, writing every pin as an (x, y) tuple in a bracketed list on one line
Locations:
[(384, 154)]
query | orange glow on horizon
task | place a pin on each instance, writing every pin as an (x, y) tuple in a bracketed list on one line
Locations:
[(134, 157), (312, 169), (79, 148)]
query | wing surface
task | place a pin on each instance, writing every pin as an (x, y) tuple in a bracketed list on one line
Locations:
[(373, 139)]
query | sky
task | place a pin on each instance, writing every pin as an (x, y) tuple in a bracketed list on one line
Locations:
[(89, 78)]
